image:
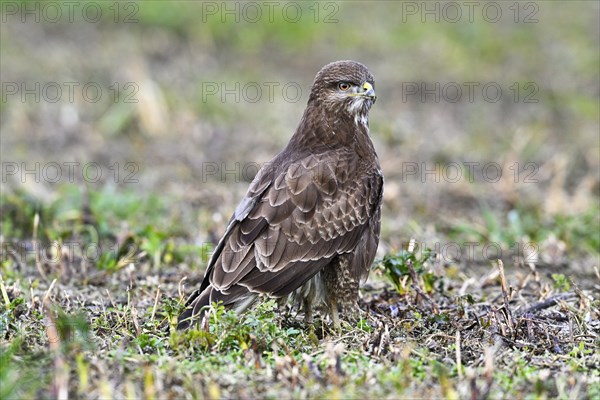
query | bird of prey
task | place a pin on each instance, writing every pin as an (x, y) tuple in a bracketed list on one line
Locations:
[(308, 227)]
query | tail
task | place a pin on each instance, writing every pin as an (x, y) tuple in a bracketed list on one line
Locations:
[(238, 298)]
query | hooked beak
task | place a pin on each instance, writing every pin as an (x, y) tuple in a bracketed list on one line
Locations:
[(368, 91)]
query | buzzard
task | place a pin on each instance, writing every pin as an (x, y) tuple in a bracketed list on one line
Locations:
[(309, 224)]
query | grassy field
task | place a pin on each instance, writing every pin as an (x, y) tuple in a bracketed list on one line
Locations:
[(130, 130)]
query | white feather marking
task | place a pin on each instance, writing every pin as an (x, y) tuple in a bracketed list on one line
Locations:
[(361, 120), (355, 105)]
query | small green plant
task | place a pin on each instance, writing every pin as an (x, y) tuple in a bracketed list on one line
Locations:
[(397, 268), (561, 282)]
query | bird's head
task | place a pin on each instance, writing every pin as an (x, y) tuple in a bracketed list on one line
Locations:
[(344, 88)]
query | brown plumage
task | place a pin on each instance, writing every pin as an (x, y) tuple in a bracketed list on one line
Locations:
[(309, 225)]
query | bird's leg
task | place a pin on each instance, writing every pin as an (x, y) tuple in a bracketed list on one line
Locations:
[(308, 316), (333, 309)]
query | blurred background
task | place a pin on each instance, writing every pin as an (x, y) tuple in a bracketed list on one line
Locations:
[(145, 121)]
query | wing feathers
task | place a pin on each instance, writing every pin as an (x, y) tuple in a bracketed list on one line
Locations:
[(284, 282), (291, 224)]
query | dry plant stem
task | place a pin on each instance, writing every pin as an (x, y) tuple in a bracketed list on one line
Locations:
[(509, 319), (4, 294), (489, 370), (61, 369), (458, 356), (496, 314), (33, 298), (38, 262), (155, 303), (530, 334), (385, 340), (181, 289), (136, 322), (584, 300), (488, 375)]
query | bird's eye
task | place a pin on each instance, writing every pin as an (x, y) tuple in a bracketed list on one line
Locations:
[(344, 86)]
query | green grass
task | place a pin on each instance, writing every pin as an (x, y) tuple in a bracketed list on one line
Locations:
[(116, 335)]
